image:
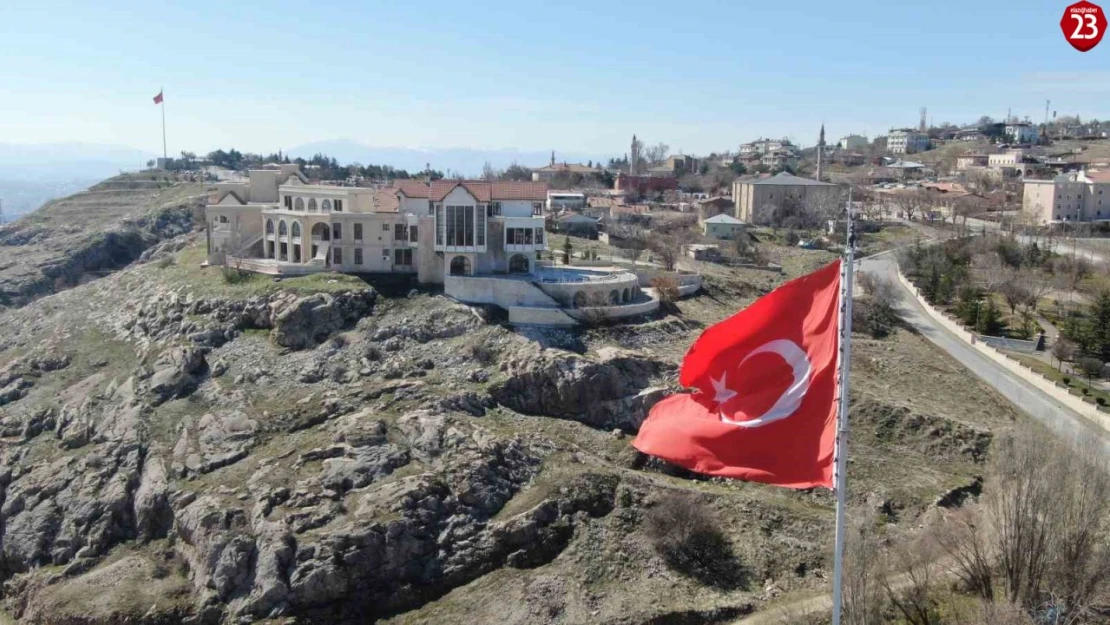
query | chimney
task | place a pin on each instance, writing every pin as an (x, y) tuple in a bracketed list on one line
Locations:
[(427, 173)]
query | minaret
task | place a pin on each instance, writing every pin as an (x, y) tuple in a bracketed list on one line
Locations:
[(820, 150), (552, 158)]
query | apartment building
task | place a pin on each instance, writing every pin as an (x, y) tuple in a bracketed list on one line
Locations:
[(906, 141), (1074, 197)]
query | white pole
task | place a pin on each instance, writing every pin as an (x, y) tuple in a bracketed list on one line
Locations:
[(165, 155), (844, 358)]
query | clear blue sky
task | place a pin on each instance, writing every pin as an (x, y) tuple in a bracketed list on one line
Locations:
[(571, 75)]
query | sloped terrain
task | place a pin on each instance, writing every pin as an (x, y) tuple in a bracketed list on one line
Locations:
[(105, 227), (179, 449)]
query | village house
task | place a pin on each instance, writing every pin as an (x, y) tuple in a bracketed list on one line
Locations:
[(1022, 132), (853, 143), (757, 201), (711, 207), (722, 226), (552, 170), (971, 161)]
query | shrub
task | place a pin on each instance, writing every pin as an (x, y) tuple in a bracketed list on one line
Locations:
[(483, 353), (166, 261), (234, 275), (666, 288), (684, 531), (1101, 401), (1067, 380)]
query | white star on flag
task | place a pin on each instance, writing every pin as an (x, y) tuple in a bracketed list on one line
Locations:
[(722, 392)]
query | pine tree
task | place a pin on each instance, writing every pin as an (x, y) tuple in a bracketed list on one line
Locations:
[(568, 247), (990, 320), (1100, 325)]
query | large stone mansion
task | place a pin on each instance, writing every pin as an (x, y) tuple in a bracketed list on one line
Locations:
[(277, 223), (481, 240)]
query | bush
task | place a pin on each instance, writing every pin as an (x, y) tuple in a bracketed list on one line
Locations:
[(684, 531), (234, 275), (1101, 401), (1067, 380), (666, 288), (166, 261), (483, 353)]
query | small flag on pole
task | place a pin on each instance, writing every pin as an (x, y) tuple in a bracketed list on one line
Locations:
[(158, 98), (766, 405)]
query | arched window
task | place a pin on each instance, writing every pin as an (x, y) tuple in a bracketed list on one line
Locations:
[(326, 206), (312, 205), (296, 229), (460, 266), (298, 204), (518, 264), (223, 219), (614, 297), (282, 228), (321, 230), (626, 296), (269, 226), (579, 299)]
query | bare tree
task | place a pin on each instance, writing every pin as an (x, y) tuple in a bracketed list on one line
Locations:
[(667, 247), (909, 579), (1063, 349), (863, 591), (488, 172), (656, 154), (1013, 289), (915, 203)]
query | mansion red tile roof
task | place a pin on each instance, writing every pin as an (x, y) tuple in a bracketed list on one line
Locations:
[(481, 190)]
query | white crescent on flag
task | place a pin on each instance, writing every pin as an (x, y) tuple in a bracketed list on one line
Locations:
[(787, 403)]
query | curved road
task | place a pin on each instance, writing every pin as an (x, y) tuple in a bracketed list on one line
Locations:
[(1062, 420)]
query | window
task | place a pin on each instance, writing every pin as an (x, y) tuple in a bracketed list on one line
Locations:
[(269, 226), (338, 206), (223, 219), (440, 225), (496, 208), (358, 255), (298, 204), (289, 202), (527, 235), (402, 257), (312, 205), (282, 228), (480, 216), (336, 232), (539, 236), (460, 226), (400, 232), (296, 229), (326, 206), (336, 256), (358, 232), (537, 208), (412, 234)]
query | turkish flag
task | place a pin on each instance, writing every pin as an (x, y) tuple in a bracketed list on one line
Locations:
[(158, 98), (765, 406)]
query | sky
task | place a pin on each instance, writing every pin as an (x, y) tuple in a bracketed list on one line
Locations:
[(578, 76)]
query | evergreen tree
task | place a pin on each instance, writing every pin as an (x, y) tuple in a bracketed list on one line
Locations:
[(968, 304), (568, 247), (990, 320), (932, 286), (1100, 325)]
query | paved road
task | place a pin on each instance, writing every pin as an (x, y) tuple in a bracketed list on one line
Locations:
[(1067, 423)]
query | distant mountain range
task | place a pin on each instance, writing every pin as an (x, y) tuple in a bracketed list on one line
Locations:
[(31, 175), (467, 161)]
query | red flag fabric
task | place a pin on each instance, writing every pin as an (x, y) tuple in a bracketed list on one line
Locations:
[(765, 406), (158, 98)]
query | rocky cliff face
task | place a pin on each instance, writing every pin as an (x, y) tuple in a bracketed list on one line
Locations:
[(326, 455)]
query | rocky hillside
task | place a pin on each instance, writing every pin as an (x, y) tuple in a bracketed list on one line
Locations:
[(83, 235), (176, 448)]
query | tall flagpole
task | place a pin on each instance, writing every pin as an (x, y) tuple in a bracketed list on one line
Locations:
[(844, 358), (165, 155)]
